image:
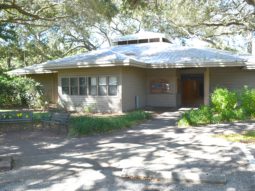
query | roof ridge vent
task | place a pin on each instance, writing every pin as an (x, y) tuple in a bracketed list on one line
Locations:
[(141, 37)]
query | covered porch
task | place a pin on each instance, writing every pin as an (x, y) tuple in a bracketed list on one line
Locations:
[(189, 87)]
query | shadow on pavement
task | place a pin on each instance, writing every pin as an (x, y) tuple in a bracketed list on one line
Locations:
[(46, 161)]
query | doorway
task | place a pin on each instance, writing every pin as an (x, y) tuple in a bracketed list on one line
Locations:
[(192, 90)]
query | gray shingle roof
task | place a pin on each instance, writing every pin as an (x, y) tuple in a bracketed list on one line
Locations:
[(154, 53), (102, 56), (158, 54)]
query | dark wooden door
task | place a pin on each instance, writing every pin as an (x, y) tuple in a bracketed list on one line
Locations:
[(190, 92)]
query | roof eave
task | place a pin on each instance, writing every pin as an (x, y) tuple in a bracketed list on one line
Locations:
[(129, 62), (26, 72), (197, 65)]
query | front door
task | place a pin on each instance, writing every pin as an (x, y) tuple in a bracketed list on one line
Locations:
[(192, 90)]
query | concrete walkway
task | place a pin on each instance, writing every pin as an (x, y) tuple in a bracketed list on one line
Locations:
[(44, 161)]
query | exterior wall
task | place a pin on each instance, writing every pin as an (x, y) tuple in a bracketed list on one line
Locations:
[(232, 78), (97, 103), (133, 84), (49, 84), (166, 99)]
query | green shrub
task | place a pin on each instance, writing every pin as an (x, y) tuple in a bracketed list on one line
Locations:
[(247, 99), (224, 100), (202, 115), (216, 118), (85, 125), (225, 106), (20, 91), (184, 121)]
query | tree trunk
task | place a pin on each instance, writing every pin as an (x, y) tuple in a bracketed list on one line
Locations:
[(251, 44), (9, 59)]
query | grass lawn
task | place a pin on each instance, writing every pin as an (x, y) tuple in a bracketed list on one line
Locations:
[(244, 137), (87, 125)]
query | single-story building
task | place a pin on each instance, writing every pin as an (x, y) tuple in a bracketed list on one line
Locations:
[(140, 70)]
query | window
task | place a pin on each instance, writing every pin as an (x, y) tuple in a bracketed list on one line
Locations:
[(112, 85), (143, 41), (154, 40), (74, 86), (166, 40), (93, 86), (122, 42), (98, 85), (82, 86), (65, 85), (132, 42), (102, 86)]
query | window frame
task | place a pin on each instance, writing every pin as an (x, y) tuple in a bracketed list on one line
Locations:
[(87, 85), (104, 85), (77, 87), (89, 91), (108, 85), (68, 78)]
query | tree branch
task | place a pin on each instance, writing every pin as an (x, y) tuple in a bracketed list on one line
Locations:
[(30, 16), (14, 6), (250, 2)]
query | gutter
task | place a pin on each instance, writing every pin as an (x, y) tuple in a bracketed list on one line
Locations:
[(128, 62), (197, 65)]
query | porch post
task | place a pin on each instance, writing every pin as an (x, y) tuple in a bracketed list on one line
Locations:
[(206, 86)]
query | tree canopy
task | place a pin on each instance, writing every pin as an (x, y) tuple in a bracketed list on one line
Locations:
[(35, 31)]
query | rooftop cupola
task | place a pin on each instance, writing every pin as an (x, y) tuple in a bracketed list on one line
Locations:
[(141, 37)]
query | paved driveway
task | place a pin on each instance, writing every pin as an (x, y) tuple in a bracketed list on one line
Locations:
[(44, 161)]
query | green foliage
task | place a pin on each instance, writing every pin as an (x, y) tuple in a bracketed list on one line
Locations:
[(225, 106), (20, 91), (200, 116), (222, 99), (184, 121), (84, 125), (43, 30), (7, 32), (247, 99)]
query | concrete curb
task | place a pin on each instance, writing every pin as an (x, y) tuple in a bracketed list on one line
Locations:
[(168, 176)]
